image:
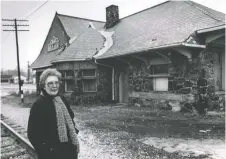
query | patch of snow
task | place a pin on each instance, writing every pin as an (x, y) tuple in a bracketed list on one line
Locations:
[(72, 40), (91, 24), (108, 43), (213, 148)]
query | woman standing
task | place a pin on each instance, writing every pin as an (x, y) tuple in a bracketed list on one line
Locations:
[(51, 129)]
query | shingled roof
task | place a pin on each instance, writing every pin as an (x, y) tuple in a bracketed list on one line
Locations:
[(75, 25), (83, 47), (44, 60), (77, 29), (166, 24)]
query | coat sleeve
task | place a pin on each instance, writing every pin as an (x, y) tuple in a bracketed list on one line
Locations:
[(36, 129), (70, 112)]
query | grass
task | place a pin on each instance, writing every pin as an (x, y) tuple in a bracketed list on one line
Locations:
[(127, 125), (146, 121), (15, 99)]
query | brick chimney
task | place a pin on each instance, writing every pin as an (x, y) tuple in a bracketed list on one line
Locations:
[(112, 16)]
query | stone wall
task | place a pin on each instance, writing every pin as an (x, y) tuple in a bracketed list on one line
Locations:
[(189, 82), (160, 99)]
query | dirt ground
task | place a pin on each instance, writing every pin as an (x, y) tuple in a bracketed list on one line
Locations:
[(123, 131)]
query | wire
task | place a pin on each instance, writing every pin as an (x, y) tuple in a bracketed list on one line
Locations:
[(26, 18), (37, 9), (6, 37)]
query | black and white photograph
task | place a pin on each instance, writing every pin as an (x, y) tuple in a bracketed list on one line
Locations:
[(112, 79)]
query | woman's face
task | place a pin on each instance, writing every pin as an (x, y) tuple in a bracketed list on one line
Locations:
[(52, 85)]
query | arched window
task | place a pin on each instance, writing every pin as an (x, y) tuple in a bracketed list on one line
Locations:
[(54, 44)]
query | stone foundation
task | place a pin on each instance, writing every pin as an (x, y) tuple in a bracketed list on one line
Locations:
[(163, 100)]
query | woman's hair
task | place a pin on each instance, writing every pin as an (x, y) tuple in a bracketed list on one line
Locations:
[(48, 72)]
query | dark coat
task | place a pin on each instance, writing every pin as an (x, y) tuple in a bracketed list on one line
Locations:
[(42, 130)]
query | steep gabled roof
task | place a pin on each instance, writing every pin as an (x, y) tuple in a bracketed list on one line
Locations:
[(73, 26), (166, 24), (84, 46)]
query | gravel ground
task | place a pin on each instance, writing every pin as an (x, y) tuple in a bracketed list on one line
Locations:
[(91, 146)]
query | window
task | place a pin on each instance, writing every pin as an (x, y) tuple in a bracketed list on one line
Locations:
[(54, 44), (69, 73), (88, 80), (62, 73), (89, 73), (69, 85), (158, 77), (160, 84), (89, 85)]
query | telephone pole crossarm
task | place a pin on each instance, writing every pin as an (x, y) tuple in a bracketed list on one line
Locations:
[(21, 20), (14, 25), (15, 30)]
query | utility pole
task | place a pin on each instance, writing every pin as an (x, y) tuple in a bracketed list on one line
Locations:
[(28, 72), (15, 25)]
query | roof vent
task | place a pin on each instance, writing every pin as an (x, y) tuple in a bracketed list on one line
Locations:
[(91, 25)]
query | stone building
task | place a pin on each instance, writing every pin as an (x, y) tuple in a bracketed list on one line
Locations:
[(152, 56)]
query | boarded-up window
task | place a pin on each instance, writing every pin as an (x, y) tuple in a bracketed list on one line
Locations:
[(160, 84), (89, 73), (158, 80), (89, 85)]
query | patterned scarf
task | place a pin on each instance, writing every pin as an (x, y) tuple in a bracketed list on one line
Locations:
[(65, 126)]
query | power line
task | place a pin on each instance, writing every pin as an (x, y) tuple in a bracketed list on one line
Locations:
[(37, 9), (26, 18), (6, 37)]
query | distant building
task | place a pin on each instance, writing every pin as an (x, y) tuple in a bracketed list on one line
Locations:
[(6, 78), (22, 78)]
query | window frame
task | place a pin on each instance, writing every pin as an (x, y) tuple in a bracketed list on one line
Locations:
[(155, 88), (54, 44), (155, 76), (89, 76), (66, 85), (84, 87)]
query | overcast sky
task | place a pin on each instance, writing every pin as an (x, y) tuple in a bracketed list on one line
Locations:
[(30, 43)]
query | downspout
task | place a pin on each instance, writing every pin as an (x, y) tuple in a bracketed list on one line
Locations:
[(113, 77)]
